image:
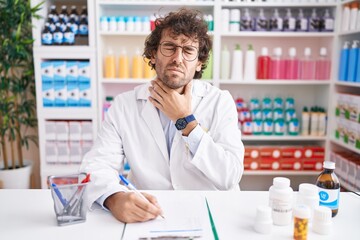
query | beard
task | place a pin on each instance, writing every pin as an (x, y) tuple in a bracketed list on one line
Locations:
[(174, 80)]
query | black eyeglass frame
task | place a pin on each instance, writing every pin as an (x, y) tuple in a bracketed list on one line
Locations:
[(182, 50)]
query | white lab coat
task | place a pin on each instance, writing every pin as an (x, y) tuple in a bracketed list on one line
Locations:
[(132, 130)]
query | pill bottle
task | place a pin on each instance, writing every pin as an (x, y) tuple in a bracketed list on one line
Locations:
[(301, 222), (322, 222), (309, 196), (280, 201)]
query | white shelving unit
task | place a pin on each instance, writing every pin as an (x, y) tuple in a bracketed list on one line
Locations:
[(317, 92), (76, 52)]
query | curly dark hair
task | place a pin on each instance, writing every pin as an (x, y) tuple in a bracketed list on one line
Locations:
[(187, 22)]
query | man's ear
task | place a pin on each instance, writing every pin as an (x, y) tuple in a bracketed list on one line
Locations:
[(198, 67), (153, 60)]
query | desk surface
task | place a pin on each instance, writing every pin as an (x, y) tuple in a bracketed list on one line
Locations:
[(29, 214)]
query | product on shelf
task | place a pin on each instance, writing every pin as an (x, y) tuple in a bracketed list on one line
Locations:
[(263, 64), (237, 64), (307, 66), (250, 64)]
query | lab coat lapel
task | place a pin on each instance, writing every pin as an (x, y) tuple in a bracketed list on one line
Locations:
[(151, 118)]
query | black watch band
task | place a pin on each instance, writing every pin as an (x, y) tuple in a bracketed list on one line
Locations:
[(181, 123)]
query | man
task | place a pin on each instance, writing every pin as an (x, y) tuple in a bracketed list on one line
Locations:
[(175, 132)]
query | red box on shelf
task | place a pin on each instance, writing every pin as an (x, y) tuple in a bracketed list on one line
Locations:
[(312, 164), (292, 152), (252, 152), (291, 164), (270, 152), (314, 152), (251, 164), (269, 164)]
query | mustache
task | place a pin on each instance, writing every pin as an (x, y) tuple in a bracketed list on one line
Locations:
[(175, 65)]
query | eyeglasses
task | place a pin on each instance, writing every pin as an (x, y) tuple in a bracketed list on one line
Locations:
[(189, 53)]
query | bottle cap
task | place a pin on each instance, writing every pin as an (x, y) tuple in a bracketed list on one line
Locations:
[(322, 221), (307, 51), (292, 52), (281, 182), (109, 98), (263, 220), (329, 165), (278, 51), (307, 189), (264, 51), (302, 211), (323, 51)]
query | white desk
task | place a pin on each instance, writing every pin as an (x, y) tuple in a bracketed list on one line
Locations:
[(29, 214)]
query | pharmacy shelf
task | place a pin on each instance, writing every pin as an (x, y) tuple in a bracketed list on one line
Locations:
[(67, 52), (157, 3), (68, 113), (279, 4), (282, 138), (279, 34), (279, 173), (348, 84), (344, 145), (107, 33), (347, 33), (277, 82), (347, 186)]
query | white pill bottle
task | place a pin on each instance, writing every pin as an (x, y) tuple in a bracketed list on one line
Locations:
[(281, 201)]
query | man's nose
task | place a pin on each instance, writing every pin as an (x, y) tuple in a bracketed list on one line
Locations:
[(178, 57)]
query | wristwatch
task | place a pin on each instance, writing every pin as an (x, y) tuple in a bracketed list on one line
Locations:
[(181, 123)]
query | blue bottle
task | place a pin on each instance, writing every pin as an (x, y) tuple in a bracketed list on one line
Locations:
[(344, 61), (358, 70), (353, 59)]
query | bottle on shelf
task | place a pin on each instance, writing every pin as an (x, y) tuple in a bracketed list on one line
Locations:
[(64, 14), (74, 26), (276, 22), (277, 66), (345, 24), (58, 35), (263, 64), (314, 121), (305, 122), (262, 23), (148, 72), (69, 36), (307, 66), (344, 62), (234, 24), (145, 24), (74, 14), (354, 53), (322, 122), (83, 26), (314, 22), (207, 74), (237, 64), (329, 187), (225, 64), (137, 65), (46, 35), (302, 23), (121, 25), (327, 22), (354, 7), (51, 21), (54, 13), (292, 65), (84, 13), (323, 66), (246, 23), (289, 22), (109, 64), (250, 64), (124, 68)]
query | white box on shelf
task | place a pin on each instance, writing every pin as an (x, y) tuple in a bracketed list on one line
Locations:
[(50, 130), (75, 152), (62, 131), (84, 83), (63, 152), (86, 146), (75, 131), (60, 83), (50, 152), (86, 131)]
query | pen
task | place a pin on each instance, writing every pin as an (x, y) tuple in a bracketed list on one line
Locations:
[(132, 187), (58, 193)]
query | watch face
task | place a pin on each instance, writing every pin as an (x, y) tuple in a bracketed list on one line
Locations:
[(180, 124)]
